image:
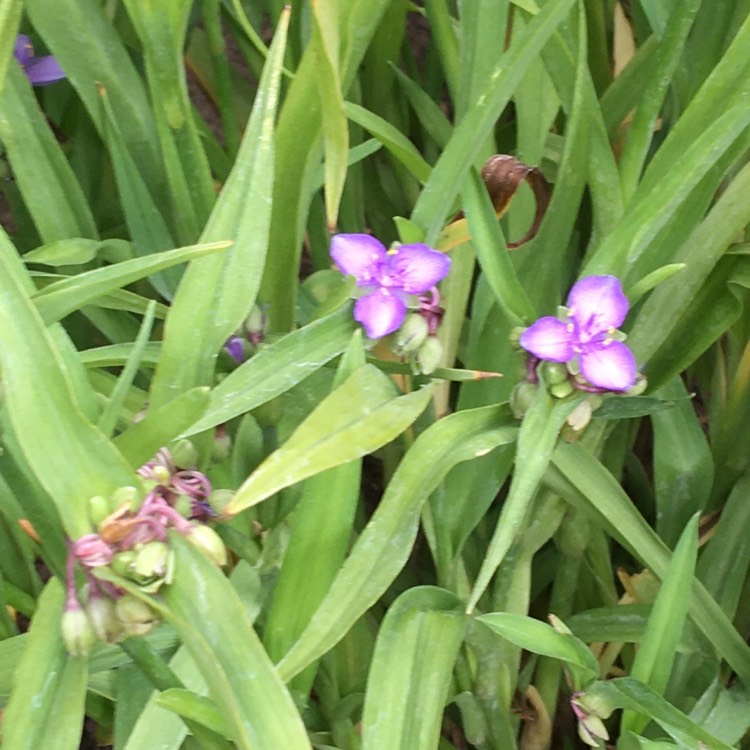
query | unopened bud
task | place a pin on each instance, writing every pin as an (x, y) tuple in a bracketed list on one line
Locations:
[(99, 509), (219, 499), (103, 617), (235, 348), (184, 454), (641, 383), (136, 617), (580, 416), (412, 334), (221, 447), (521, 398), (429, 355), (150, 561), (127, 495), (122, 561), (572, 536), (209, 543), (554, 372), (77, 631), (255, 325), (561, 390), (184, 505)]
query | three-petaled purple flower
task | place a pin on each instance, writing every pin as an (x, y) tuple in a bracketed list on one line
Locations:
[(40, 70), (588, 338), (388, 278)]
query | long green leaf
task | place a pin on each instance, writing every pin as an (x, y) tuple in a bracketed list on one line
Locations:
[(212, 622), (68, 26), (46, 705), (359, 417), (216, 293), (435, 202), (601, 494), (412, 666), (653, 662), (278, 367), (536, 441), (384, 546), (626, 692), (48, 185), (71, 458)]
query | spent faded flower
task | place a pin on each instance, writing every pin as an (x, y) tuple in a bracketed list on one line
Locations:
[(41, 70), (388, 278), (588, 337)]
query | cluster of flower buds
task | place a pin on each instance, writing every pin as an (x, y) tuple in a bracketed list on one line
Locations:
[(417, 339), (132, 540), (249, 337)]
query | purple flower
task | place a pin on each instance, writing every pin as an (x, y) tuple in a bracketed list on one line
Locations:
[(588, 337), (235, 348), (42, 70), (388, 278)]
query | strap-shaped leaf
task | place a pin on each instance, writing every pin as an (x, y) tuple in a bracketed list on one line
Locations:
[(46, 705), (386, 542), (412, 666), (356, 419)]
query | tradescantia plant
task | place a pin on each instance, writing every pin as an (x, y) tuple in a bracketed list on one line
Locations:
[(299, 447)]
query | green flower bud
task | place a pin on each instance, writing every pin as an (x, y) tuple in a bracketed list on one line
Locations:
[(580, 416), (515, 336), (209, 543), (162, 475), (561, 390), (221, 448), (136, 617), (151, 561), (102, 614), (641, 383), (429, 355), (412, 334), (572, 537), (126, 496), (122, 561), (521, 398), (184, 454), (184, 505), (255, 325), (99, 508), (554, 372), (77, 631), (219, 499)]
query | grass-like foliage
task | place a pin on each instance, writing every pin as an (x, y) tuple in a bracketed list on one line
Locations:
[(375, 374)]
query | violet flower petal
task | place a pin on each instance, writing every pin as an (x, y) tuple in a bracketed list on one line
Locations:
[(609, 365), (380, 313), (44, 70), (417, 268), (359, 255), (550, 339), (23, 50), (597, 303)]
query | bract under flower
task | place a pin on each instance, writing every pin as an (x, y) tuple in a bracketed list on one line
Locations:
[(389, 278), (596, 305), (41, 70)]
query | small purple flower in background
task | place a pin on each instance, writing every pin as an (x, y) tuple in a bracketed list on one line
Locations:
[(389, 278), (588, 338), (40, 70), (235, 348)]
